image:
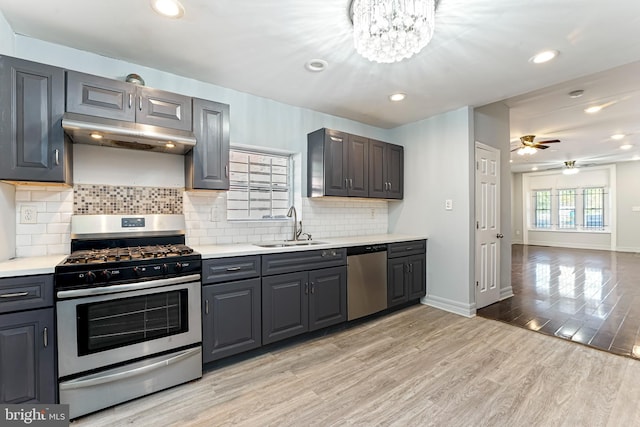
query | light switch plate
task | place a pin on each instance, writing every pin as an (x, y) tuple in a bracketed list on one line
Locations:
[(28, 214), (448, 204)]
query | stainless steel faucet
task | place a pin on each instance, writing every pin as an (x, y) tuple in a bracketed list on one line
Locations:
[(296, 231)]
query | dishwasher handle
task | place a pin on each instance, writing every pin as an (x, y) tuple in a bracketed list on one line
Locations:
[(366, 249)]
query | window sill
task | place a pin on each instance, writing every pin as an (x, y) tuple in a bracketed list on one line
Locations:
[(557, 230)]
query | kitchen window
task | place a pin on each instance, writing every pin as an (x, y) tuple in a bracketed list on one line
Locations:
[(260, 185)]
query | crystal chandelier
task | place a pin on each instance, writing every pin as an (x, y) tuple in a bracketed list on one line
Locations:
[(388, 31)]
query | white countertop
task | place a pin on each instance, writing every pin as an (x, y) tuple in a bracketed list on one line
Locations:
[(46, 264), (240, 249), (30, 266)]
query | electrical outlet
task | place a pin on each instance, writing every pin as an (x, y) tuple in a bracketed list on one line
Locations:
[(448, 204), (373, 213), (28, 215)]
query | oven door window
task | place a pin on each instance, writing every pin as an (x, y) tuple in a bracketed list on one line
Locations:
[(120, 322)]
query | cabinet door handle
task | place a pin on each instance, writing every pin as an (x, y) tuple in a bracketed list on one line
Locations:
[(234, 268), (346, 183), (45, 337), (313, 288), (206, 306), (390, 186), (14, 295), (350, 183), (408, 248), (226, 171), (386, 186), (140, 102), (306, 288), (56, 153), (411, 268), (130, 99)]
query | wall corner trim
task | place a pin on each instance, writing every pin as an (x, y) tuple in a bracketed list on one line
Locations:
[(455, 307)]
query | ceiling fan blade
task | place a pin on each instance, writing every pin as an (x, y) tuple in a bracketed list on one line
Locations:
[(542, 147), (516, 149), (551, 141)]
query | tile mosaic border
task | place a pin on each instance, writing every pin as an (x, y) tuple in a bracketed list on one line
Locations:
[(90, 199)]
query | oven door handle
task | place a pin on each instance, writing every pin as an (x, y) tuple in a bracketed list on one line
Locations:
[(102, 379), (75, 293)]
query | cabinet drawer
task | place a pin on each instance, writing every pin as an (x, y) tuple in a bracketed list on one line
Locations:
[(304, 260), (25, 293), (227, 269), (413, 247)]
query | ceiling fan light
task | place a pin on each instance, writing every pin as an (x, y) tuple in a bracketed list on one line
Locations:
[(570, 171), (593, 110)]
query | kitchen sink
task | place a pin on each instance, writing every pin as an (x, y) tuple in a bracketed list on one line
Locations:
[(288, 243)]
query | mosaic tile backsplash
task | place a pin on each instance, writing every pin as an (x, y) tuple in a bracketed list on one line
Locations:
[(120, 200)]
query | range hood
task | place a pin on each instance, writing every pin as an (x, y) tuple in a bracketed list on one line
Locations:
[(84, 129)]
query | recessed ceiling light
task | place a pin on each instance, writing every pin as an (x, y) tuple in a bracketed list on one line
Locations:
[(397, 96), (168, 8), (594, 109), (576, 93), (316, 65), (535, 168), (169, 144), (626, 146), (617, 136), (510, 160), (95, 135), (544, 56)]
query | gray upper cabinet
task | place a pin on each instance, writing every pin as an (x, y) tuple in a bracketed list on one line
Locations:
[(386, 170), (117, 100), (31, 136), (341, 164), (337, 164), (207, 165)]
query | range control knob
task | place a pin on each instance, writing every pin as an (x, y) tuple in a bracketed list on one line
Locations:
[(89, 277), (179, 267), (106, 275), (137, 271), (165, 269)]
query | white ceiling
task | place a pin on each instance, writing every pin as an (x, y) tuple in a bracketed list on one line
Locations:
[(479, 54)]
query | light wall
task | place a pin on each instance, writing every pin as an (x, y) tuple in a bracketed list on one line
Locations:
[(491, 127), (628, 206), (7, 38), (438, 159), (7, 222), (517, 229)]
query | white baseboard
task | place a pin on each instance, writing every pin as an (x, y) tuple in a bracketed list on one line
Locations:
[(455, 307), (506, 293), (627, 249), (570, 245), (517, 241)]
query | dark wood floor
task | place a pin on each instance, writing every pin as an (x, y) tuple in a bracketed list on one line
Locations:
[(587, 296)]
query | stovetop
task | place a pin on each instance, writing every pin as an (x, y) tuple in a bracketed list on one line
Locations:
[(152, 252)]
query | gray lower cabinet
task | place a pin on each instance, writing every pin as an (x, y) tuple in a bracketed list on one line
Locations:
[(231, 306), (31, 137), (406, 272), (207, 165), (117, 100), (27, 340), (299, 302), (231, 318)]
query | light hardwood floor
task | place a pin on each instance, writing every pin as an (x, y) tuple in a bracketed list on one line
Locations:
[(417, 367)]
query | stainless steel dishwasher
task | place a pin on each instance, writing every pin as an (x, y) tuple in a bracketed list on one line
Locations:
[(366, 280)]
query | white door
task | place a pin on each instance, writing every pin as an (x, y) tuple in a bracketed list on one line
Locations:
[(487, 225)]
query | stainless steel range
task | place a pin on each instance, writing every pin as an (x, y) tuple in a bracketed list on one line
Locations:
[(128, 310)]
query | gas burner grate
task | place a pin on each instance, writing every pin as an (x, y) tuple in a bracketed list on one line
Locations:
[(98, 256)]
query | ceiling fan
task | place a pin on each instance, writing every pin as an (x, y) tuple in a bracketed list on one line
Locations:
[(529, 146)]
